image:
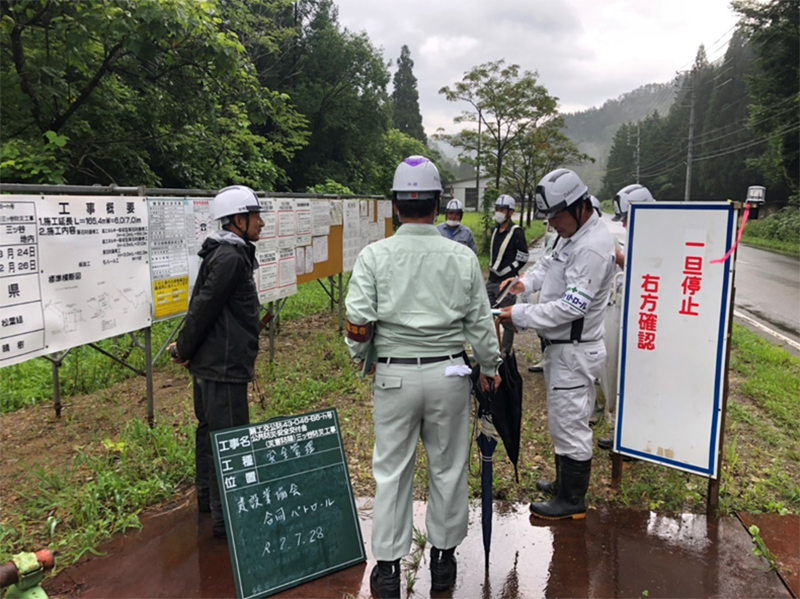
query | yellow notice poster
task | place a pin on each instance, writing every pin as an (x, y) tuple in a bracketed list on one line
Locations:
[(171, 296)]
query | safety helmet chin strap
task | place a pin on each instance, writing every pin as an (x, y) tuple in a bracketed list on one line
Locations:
[(573, 211), (243, 234)]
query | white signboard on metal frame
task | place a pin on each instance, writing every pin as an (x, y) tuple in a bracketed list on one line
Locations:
[(73, 270), (673, 341)]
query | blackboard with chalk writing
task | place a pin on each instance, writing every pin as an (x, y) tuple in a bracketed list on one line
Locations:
[(288, 503)]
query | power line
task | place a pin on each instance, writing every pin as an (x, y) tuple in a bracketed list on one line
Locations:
[(748, 144)]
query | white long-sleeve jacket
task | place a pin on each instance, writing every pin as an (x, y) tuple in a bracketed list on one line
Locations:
[(575, 282)]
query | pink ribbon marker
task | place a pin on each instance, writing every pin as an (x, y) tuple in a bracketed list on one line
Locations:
[(738, 236)]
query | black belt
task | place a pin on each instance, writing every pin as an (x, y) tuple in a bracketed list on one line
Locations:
[(418, 361), (547, 342)]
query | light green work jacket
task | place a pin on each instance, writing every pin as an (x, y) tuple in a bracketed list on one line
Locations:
[(425, 297)]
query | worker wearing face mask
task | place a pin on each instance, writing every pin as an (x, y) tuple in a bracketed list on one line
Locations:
[(452, 227), (509, 253)]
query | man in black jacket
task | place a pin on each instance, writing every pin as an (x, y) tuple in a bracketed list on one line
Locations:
[(509, 253), (219, 339)]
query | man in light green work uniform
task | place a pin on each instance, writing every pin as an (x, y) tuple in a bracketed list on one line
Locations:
[(415, 299)]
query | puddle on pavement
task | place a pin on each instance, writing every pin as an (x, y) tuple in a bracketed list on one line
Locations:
[(612, 553)]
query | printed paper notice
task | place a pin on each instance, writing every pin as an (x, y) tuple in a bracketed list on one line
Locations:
[(351, 234), (321, 217), (287, 236), (269, 234), (304, 221), (337, 213), (309, 257), (299, 261), (267, 276), (320, 252), (287, 279)]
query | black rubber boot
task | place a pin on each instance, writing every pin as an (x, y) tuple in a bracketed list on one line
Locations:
[(385, 580), (571, 499), (550, 487), (443, 569)]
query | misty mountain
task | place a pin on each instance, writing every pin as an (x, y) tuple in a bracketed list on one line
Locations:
[(593, 129)]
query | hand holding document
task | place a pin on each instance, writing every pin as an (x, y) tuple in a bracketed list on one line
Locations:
[(510, 285)]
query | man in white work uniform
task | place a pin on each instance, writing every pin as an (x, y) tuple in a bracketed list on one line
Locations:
[(417, 298), (575, 281)]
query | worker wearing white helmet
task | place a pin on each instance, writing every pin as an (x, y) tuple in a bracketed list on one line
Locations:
[(625, 197), (415, 299), (219, 339), (575, 282), (452, 227), (508, 254)]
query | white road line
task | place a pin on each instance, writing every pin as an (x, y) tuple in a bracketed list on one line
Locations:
[(766, 329), (742, 262)]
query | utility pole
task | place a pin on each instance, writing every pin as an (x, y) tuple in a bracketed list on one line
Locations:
[(638, 146), (478, 167), (687, 194)]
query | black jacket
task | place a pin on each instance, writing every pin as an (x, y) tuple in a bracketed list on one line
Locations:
[(220, 335), (515, 256)]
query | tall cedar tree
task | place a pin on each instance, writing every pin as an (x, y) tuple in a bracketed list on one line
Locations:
[(405, 97)]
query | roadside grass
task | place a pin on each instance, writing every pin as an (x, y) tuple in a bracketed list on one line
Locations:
[(788, 248), (113, 466), (102, 490)]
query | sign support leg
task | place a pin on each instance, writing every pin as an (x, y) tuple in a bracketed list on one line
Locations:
[(272, 334), (148, 357), (341, 303), (56, 364), (616, 470)]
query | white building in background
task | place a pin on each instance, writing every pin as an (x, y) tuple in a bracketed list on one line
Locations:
[(465, 191)]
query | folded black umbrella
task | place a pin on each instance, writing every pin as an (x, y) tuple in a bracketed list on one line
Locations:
[(503, 405)]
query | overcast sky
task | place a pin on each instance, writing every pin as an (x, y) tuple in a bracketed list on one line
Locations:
[(586, 51)]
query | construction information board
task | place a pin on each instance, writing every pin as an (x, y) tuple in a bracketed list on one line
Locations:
[(73, 270), (288, 504), (178, 228), (674, 333)]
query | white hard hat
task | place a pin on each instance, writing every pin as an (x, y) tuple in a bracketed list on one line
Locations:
[(628, 194), (236, 199), (559, 189), (505, 201), (596, 205), (416, 178), (454, 206)]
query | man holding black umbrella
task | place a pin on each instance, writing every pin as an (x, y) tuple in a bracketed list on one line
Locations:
[(414, 300), (575, 282)]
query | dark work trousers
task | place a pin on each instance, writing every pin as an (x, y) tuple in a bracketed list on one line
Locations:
[(217, 406), (493, 290)]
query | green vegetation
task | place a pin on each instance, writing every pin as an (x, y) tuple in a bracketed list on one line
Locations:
[(110, 465), (102, 490), (745, 118), (779, 232)]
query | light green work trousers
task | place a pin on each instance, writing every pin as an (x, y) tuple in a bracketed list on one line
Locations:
[(413, 402)]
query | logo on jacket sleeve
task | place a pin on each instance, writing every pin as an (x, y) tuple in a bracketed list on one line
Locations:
[(577, 299)]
